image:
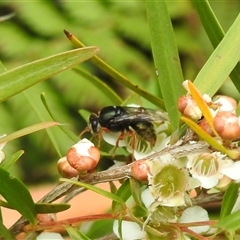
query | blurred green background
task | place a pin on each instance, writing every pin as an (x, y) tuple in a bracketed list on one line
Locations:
[(120, 29)]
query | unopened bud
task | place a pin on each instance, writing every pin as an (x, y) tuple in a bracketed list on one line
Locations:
[(205, 126), (225, 103), (140, 170), (83, 156), (227, 125), (45, 218), (189, 108), (65, 169)]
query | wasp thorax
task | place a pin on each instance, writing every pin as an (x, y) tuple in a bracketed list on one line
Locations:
[(109, 117)]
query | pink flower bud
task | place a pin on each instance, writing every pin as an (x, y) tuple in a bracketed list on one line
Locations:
[(225, 103), (83, 156), (65, 169), (189, 108), (140, 170), (205, 126), (227, 125), (46, 218)]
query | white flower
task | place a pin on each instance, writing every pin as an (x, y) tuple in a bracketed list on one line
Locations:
[(225, 103), (231, 170), (213, 169), (195, 214), (140, 148), (206, 168), (147, 198), (49, 235), (130, 230), (113, 138)]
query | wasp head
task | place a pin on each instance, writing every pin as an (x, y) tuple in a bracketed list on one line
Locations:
[(93, 123)]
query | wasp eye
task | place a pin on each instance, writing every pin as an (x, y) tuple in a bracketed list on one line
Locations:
[(94, 123)]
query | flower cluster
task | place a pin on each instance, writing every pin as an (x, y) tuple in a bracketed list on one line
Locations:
[(170, 179), (226, 123)]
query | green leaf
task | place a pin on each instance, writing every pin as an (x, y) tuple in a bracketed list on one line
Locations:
[(116, 75), (75, 234), (166, 57), (84, 114), (51, 208), (23, 77), (38, 108), (230, 222), (104, 88), (42, 207), (100, 228), (136, 191), (28, 130), (221, 62), (229, 200), (214, 32), (124, 192), (97, 190), (8, 162), (139, 211), (5, 233), (17, 195), (68, 132)]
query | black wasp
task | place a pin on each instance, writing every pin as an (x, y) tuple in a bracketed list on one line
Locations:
[(132, 120)]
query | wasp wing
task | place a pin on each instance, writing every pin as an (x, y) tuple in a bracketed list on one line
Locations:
[(141, 114)]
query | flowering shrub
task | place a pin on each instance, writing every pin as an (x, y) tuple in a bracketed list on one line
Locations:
[(172, 163)]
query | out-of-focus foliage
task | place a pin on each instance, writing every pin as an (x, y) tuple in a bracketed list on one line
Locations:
[(120, 30)]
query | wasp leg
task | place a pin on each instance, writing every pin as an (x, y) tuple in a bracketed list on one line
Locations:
[(133, 136), (100, 137), (87, 129), (133, 145), (121, 137)]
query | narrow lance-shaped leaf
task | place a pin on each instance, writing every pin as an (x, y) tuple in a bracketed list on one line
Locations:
[(166, 57), (9, 161), (39, 110), (102, 86), (28, 130), (230, 222), (229, 200), (221, 62), (5, 233), (43, 207), (215, 32), (23, 77), (17, 195), (116, 75), (51, 208), (96, 189), (76, 234)]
